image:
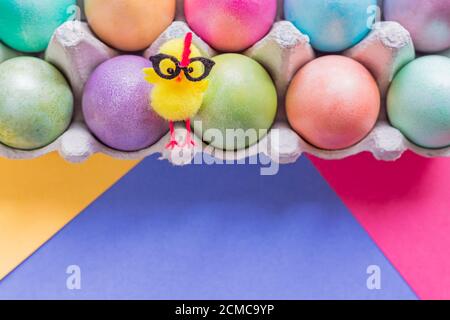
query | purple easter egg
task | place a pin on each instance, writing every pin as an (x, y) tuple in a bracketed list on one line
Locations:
[(427, 21), (116, 105)]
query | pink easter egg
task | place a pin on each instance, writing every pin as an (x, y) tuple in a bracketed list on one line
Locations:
[(428, 21), (333, 102), (231, 25)]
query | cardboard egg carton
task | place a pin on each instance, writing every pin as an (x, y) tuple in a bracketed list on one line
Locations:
[(76, 51)]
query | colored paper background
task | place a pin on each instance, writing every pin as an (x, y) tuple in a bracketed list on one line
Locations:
[(405, 207), (225, 231), (38, 197), (212, 232)]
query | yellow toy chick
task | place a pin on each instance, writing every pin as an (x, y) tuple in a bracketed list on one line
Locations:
[(179, 77)]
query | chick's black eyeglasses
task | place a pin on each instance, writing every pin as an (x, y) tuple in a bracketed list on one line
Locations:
[(168, 67)]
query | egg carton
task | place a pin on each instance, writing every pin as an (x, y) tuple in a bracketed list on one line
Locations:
[(76, 51)]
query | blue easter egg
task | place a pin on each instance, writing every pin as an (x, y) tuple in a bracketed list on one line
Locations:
[(27, 26), (332, 25)]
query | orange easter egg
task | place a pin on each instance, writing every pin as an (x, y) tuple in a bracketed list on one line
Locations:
[(333, 102), (129, 25)]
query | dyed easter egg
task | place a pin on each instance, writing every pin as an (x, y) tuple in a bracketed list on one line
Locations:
[(241, 102), (418, 102), (36, 103), (129, 25), (28, 25), (332, 25), (427, 21), (333, 102), (116, 105), (231, 25)]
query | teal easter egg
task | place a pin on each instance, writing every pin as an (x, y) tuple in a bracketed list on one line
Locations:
[(27, 26), (419, 102), (239, 106), (36, 103)]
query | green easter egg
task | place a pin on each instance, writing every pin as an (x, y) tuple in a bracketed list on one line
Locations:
[(27, 26), (239, 106), (36, 103), (418, 102)]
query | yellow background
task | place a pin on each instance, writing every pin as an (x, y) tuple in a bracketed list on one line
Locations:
[(39, 197)]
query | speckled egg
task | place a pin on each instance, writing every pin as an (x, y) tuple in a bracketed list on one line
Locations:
[(116, 105), (231, 25), (427, 21), (28, 25), (241, 96), (333, 102), (419, 101), (36, 103), (129, 25), (332, 25)]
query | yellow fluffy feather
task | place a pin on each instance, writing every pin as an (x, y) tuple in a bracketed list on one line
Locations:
[(176, 100)]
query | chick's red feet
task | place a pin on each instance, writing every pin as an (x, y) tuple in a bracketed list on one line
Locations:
[(172, 144), (173, 141), (190, 142)]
